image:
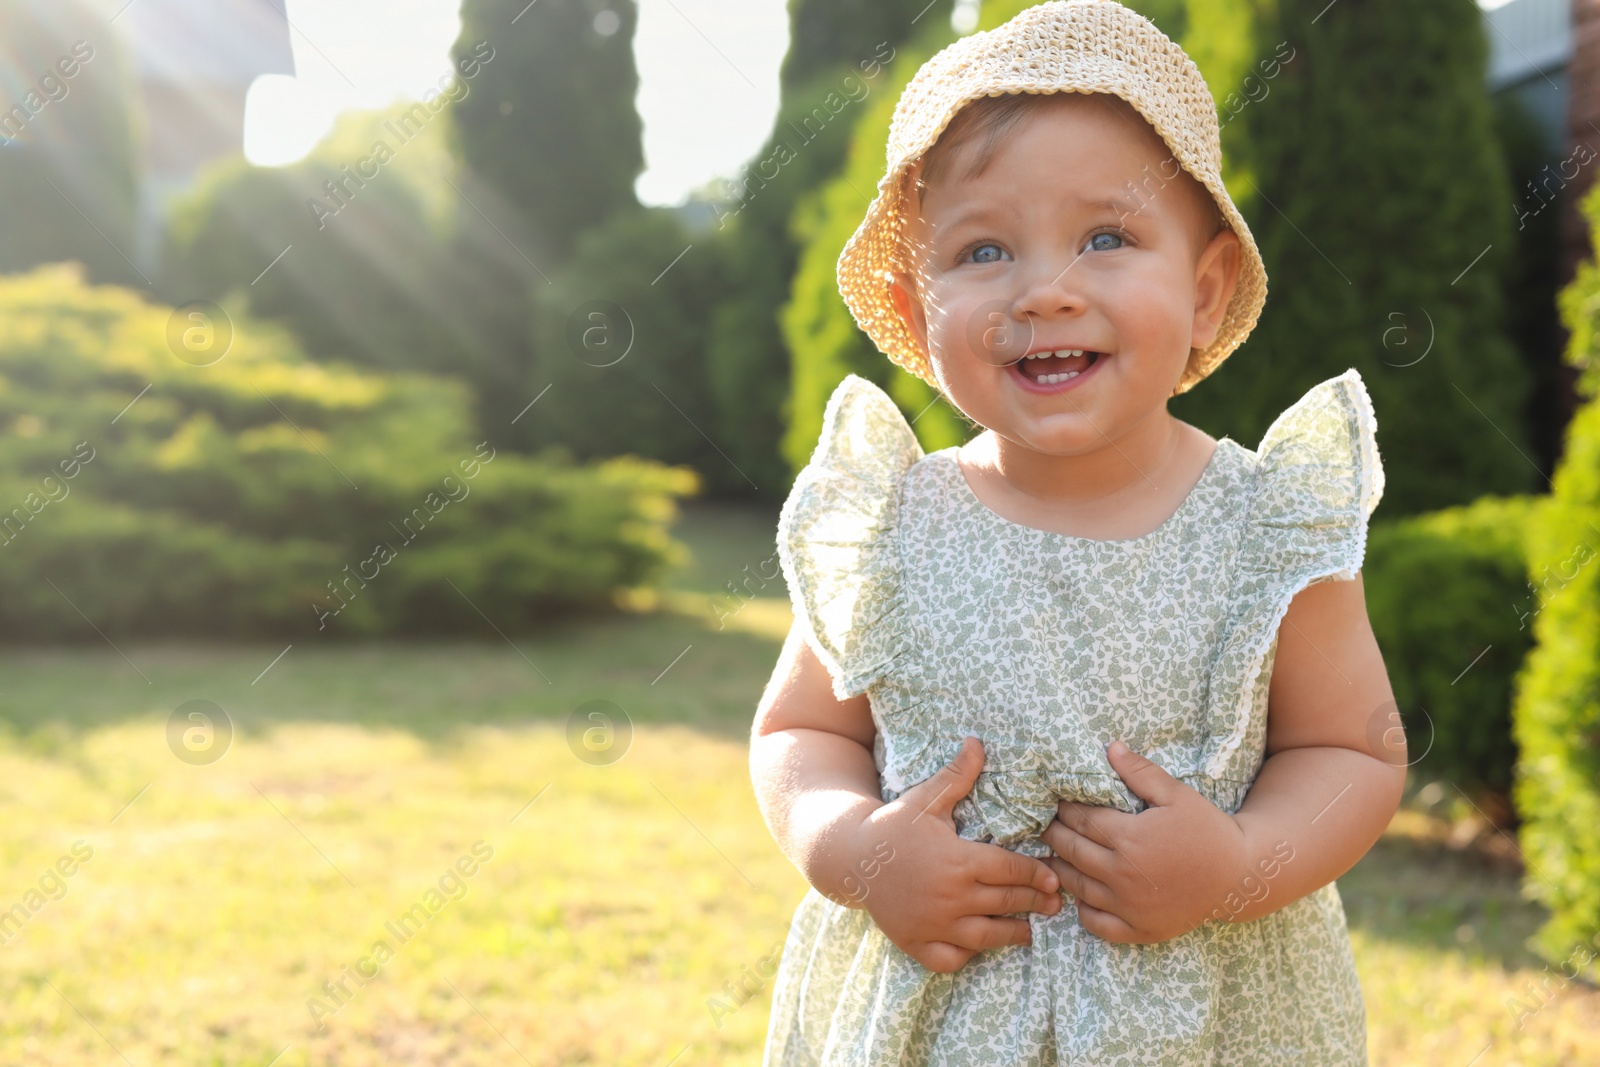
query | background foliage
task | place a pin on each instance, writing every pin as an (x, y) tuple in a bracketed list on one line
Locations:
[(69, 155), (1557, 714), (1368, 230), (213, 504), (551, 126), (1448, 596), (396, 278)]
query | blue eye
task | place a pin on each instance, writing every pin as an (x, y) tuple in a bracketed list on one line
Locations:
[(976, 253), (1095, 245)]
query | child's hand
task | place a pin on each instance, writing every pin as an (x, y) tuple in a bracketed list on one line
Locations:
[(935, 894), (1152, 876)]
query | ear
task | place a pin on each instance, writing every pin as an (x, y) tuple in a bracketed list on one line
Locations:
[(1216, 277), (909, 307)]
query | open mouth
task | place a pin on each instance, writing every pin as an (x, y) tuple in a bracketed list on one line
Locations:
[(1048, 370)]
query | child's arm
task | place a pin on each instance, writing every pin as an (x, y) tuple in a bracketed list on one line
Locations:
[(1332, 780), (933, 894)]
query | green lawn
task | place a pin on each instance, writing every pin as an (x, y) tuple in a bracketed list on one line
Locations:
[(610, 907)]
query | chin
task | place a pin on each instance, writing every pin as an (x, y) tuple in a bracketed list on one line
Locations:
[(1065, 434)]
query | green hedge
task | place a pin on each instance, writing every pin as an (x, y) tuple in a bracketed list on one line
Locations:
[(1557, 716), (620, 333), (1449, 600), (264, 493)]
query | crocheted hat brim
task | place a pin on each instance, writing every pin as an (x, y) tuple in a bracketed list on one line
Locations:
[(1085, 46)]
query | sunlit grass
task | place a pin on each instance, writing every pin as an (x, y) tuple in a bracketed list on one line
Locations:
[(220, 901), (623, 903)]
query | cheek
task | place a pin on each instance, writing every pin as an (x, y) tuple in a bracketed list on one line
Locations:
[(1155, 317), (974, 388), (943, 314), (970, 326)]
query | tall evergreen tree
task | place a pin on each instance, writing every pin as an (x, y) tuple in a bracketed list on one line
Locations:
[(833, 74), (1532, 276), (68, 170), (830, 33), (550, 122), (1360, 147)]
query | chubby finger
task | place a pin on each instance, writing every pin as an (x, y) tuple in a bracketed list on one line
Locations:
[(1082, 887), (1147, 778), (937, 794), (1001, 866), (943, 957), (1095, 821), (1106, 926), (1078, 850), (1011, 899), (981, 932)]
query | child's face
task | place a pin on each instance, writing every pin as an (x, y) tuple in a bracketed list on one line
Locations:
[(1022, 259)]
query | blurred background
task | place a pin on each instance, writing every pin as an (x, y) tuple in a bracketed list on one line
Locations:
[(397, 399)]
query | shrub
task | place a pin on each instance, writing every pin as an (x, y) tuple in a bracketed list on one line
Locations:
[(1556, 719), (1448, 595), (143, 495), (620, 334)]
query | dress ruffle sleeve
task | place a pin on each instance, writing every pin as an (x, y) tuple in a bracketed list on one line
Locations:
[(1318, 479), (837, 538)]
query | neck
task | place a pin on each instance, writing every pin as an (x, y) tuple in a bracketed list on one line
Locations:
[(1130, 465)]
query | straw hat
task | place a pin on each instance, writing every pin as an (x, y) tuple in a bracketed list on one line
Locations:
[(1088, 46)]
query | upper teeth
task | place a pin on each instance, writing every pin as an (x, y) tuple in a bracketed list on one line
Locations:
[(1064, 353)]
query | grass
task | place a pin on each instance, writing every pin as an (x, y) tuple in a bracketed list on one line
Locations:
[(621, 903)]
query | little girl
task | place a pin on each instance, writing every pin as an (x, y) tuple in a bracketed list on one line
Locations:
[(1078, 722)]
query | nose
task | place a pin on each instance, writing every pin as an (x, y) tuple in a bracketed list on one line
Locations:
[(1052, 287)]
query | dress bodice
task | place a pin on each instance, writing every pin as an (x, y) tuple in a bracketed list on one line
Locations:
[(1047, 647)]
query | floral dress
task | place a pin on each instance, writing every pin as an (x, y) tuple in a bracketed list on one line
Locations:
[(956, 621)]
